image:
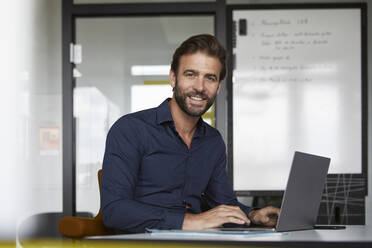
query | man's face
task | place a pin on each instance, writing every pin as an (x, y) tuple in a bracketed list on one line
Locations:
[(197, 83)]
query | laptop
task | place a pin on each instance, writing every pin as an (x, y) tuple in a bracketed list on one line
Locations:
[(301, 200)]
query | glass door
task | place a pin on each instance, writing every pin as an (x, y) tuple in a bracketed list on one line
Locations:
[(124, 68)]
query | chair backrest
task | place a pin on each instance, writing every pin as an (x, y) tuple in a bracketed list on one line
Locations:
[(99, 174), (99, 215), (78, 227)]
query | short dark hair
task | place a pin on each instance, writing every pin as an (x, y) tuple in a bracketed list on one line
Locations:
[(201, 43)]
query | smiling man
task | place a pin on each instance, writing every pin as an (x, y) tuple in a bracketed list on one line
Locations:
[(160, 162)]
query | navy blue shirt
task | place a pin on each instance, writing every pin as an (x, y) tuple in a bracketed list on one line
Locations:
[(149, 175)]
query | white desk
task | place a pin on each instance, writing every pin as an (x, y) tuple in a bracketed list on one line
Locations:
[(352, 236)]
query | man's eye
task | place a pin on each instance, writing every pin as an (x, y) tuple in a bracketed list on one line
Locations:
[(190, 74), (212, 79)]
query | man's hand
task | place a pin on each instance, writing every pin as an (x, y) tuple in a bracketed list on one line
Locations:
[(267, 216), (215, 217)]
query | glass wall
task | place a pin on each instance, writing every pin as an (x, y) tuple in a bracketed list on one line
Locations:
[(125, 67)]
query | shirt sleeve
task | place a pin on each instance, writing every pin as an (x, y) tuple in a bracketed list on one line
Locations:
[(219, 190), (121, 164)]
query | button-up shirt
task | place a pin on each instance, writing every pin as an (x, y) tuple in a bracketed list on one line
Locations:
[(150, 178)]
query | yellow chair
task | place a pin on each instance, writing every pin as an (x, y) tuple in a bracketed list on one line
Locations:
[(79, 227)]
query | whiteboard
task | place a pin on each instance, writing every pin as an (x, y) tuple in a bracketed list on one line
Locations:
[(296, 86)]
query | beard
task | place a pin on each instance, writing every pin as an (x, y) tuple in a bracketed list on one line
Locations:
[(181, 96)]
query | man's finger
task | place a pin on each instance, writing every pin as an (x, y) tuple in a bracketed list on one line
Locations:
[(235, 211), (238, 215), (232, 219)]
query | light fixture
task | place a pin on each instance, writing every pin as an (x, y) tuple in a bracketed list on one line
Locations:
[(150, 70)]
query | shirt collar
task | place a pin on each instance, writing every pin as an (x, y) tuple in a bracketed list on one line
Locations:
[(163, 115), (200, 129)]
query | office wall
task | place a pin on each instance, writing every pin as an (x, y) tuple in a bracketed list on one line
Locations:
[(31, 110)]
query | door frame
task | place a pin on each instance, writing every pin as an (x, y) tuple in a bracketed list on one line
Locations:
[(70, 12)]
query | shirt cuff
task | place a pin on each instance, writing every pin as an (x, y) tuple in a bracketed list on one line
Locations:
[(173, 220), (246, 209)]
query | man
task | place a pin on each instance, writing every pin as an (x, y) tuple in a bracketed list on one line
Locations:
[(160, 162)]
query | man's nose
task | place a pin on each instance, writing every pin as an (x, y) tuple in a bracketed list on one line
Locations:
[(199, 84)]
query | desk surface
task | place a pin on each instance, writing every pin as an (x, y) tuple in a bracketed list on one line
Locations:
[(352, 236)]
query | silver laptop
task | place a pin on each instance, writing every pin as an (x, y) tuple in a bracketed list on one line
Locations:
[(302, 196)]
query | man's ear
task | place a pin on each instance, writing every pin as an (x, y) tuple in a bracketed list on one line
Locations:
[(172, 78)]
